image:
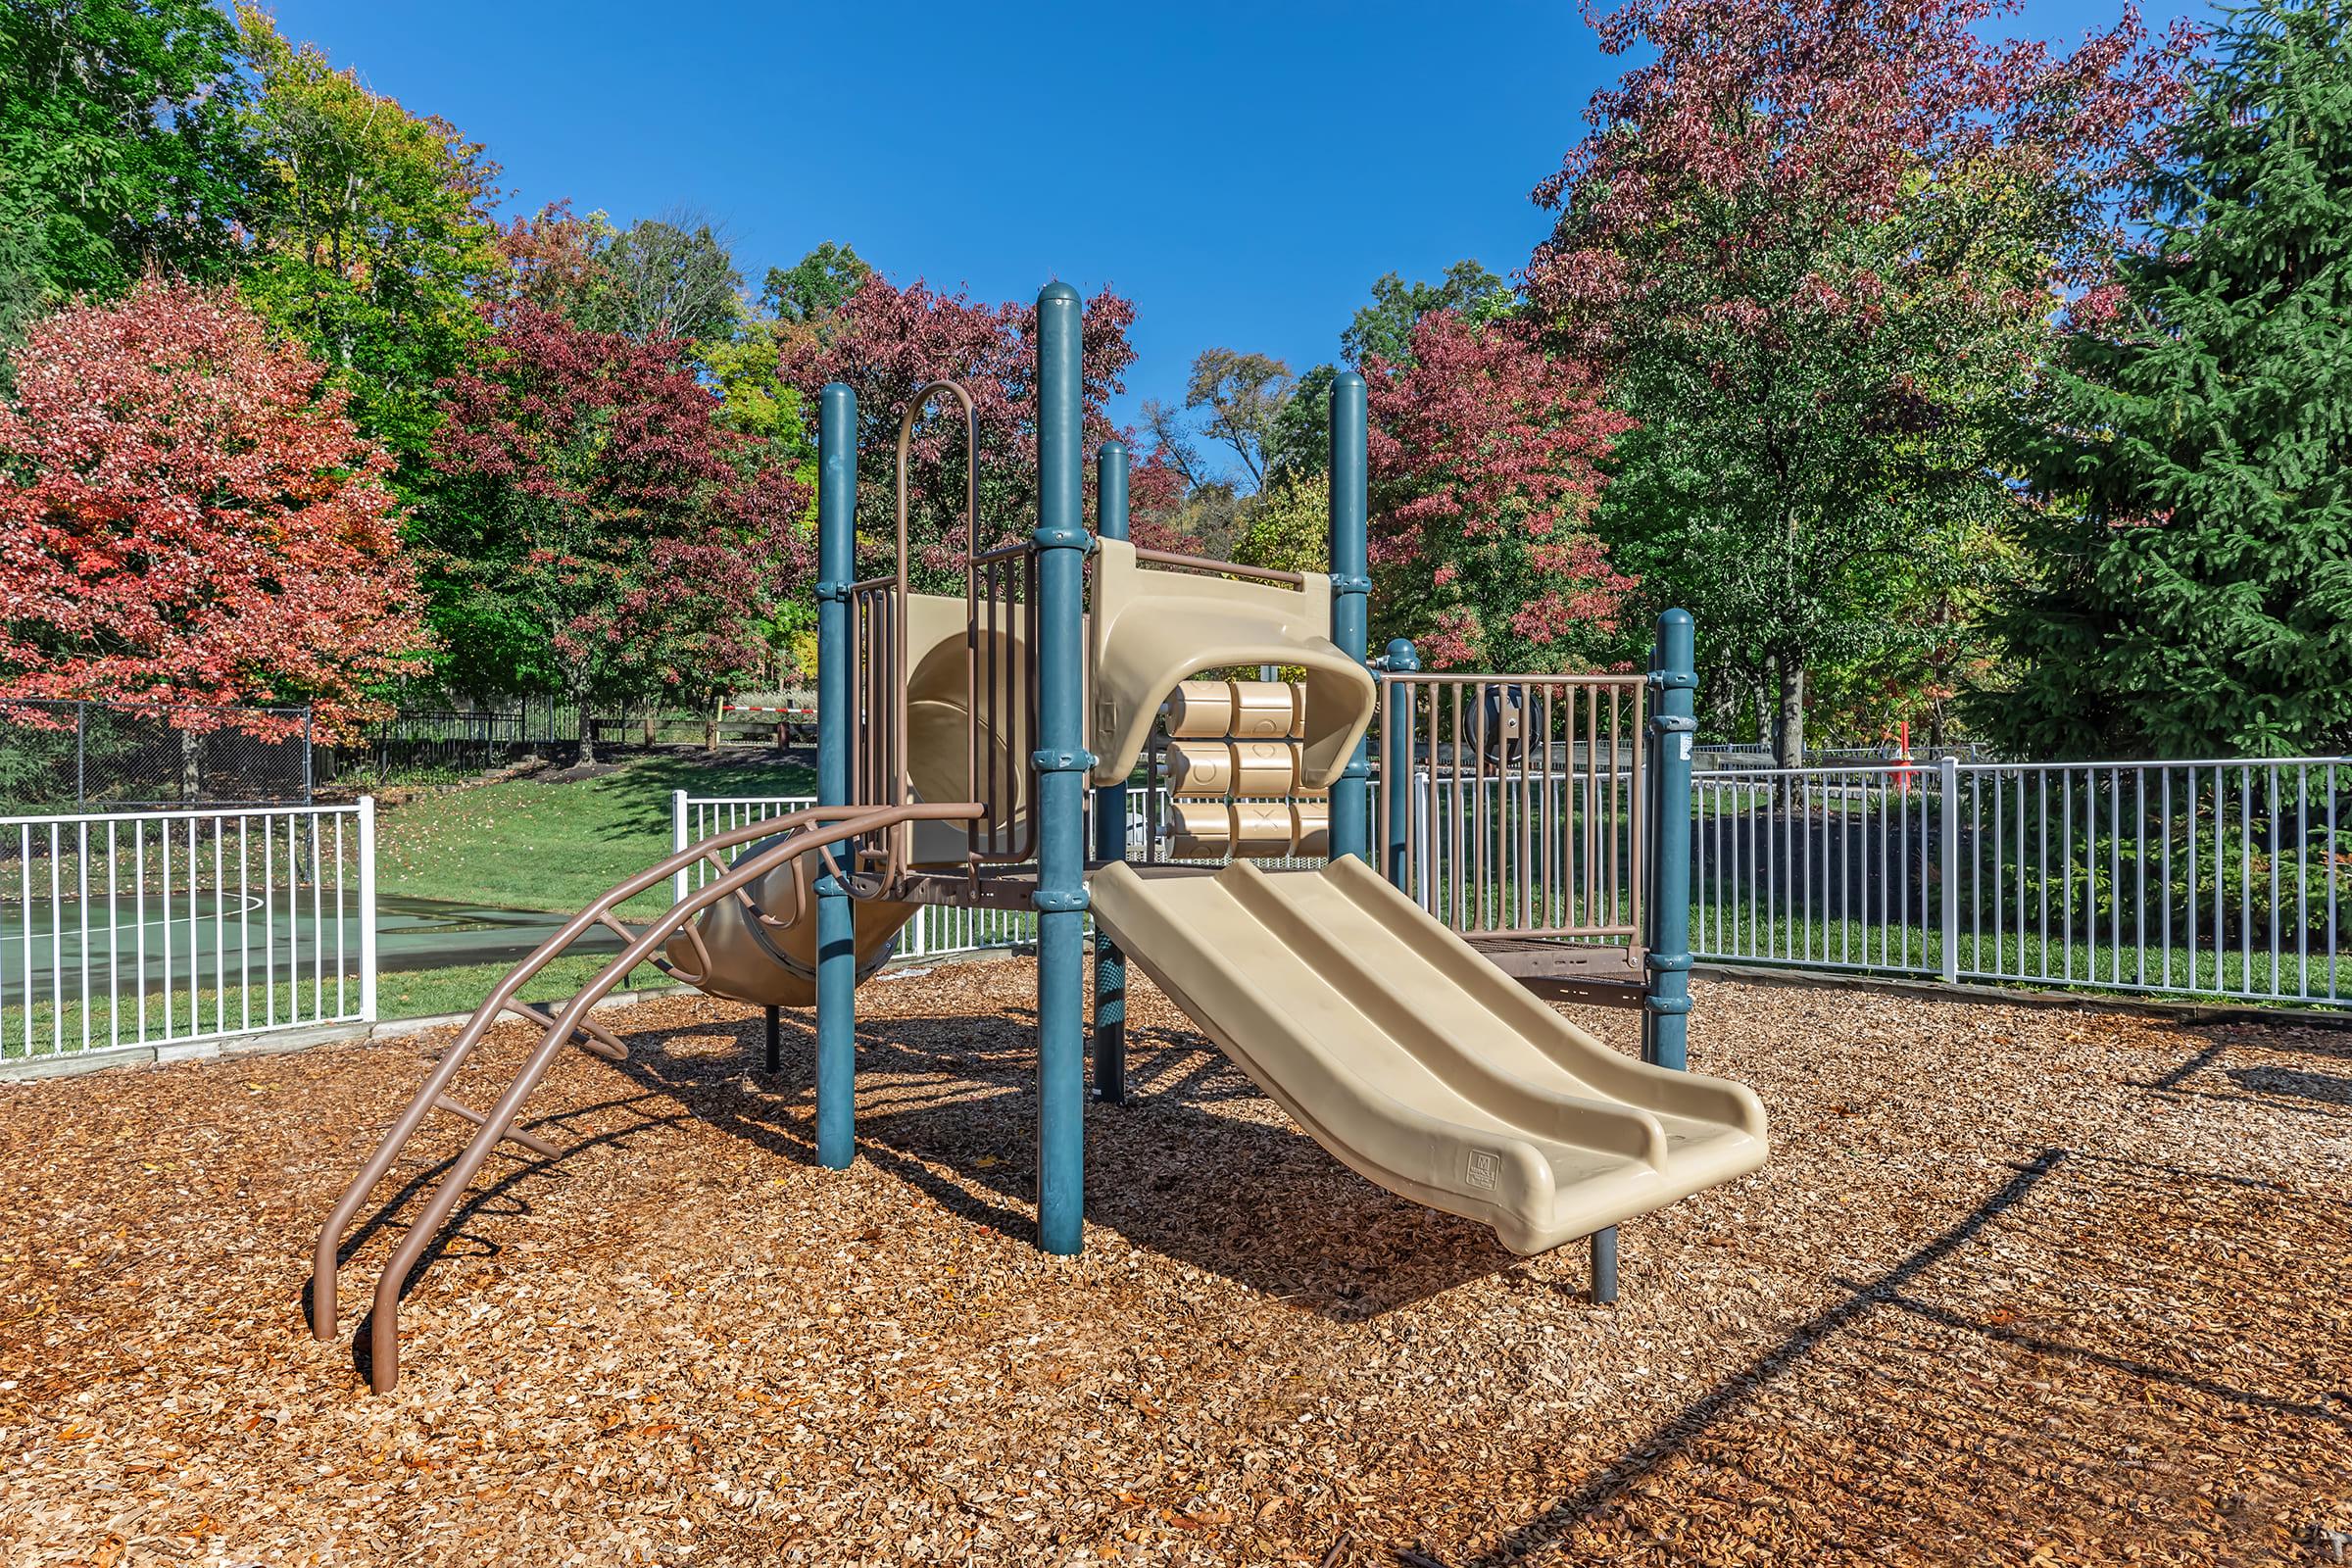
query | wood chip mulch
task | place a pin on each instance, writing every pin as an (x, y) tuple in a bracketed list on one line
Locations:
[(2017, 1286)]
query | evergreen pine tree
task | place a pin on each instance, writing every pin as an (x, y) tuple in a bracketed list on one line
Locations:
[(2194, 463)]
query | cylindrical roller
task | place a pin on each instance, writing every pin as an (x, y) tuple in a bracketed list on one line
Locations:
[(1201, 709), (1200, 830), (1200, 767), (1310, 826), (1265, 767), (1261, 829), (1264, 710)]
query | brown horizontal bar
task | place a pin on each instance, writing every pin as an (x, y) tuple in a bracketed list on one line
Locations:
[(1230, 568)]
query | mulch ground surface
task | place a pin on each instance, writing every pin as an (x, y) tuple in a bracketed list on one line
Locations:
[(2016, 1287)]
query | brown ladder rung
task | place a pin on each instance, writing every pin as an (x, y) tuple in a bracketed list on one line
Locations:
[(530, 1141), (592, 1037)]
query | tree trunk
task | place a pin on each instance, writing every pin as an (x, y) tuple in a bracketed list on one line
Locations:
[(586, 757), (652, 718), (1788, 726)]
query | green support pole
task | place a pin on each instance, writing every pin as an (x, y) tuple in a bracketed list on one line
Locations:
[(836, 917), (1666, 1009), (1061, 762), (1111, 826), (1397, 768), (1350, 589)]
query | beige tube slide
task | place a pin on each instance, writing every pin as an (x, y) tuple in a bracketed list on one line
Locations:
[(1419, 1064)]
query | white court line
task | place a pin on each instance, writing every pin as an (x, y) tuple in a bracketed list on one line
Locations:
[(228, 906)]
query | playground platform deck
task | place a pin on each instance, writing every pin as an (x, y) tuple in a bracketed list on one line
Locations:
[(2016, 1287)]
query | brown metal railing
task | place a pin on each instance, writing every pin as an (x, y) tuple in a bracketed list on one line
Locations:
[(804, 832), (1000, 684), (1521, 800), (879, 764), (1175, 560)]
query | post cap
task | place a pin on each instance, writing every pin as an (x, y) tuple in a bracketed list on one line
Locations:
[(1058, 293)]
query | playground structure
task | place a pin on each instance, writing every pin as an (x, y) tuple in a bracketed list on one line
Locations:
[(1393, 1012)]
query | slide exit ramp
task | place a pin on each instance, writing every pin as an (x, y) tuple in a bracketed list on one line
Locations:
[(1418, 1063)]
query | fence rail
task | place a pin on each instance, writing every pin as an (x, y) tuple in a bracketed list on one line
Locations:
[(172, 928), (2218, 877)]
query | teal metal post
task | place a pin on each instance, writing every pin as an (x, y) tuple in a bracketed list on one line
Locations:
[(1061, 762), (1397, 766), (1666, 1009), (836, 916), (1111, 826), (1351, 590)]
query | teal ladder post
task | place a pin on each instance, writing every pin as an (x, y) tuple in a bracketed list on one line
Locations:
[(1350, 589), (1111, 826), (1062, 763), (1666, 1006), (836, 915), (1396, 796)]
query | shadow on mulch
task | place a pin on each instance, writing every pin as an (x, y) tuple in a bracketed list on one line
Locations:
[(2277, 1088), (1255, 1202), (1708, 1416)]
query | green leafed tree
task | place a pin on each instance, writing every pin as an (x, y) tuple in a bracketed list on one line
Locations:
[(2194, 590), (675, 279), (372, 234), (1384, 328), (120, 147), (1814, 247), (814, 290)]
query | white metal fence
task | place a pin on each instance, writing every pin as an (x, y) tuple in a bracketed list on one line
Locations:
[(935, 930), (2203, 878), (171, 929)]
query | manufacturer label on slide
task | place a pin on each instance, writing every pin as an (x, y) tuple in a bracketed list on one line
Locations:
[(1483, 1170)]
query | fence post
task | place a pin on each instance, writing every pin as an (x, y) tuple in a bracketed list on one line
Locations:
[(678, 843), (1948, 855), (81, 755), (1666, 1008), (367, 909)]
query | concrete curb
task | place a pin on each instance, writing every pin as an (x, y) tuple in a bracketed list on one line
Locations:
[(2318, 1016)]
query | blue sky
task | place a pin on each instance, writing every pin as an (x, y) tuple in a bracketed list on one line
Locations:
[(1242, 172)]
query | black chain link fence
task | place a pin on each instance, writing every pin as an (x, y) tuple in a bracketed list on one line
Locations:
[(59, 756)]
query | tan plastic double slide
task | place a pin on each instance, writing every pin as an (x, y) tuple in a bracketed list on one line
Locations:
[(1419, 1064)]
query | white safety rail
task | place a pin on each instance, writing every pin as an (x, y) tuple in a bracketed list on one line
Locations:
[(935, 931), (2217, 877), (172, 929)]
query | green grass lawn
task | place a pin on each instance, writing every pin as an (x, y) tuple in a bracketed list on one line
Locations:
[(429, 993), (533, 844)]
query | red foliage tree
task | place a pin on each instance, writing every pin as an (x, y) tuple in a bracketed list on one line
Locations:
[(594, 530), (187, 515), (1485, 457), (1791, 121), (887, 341)]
